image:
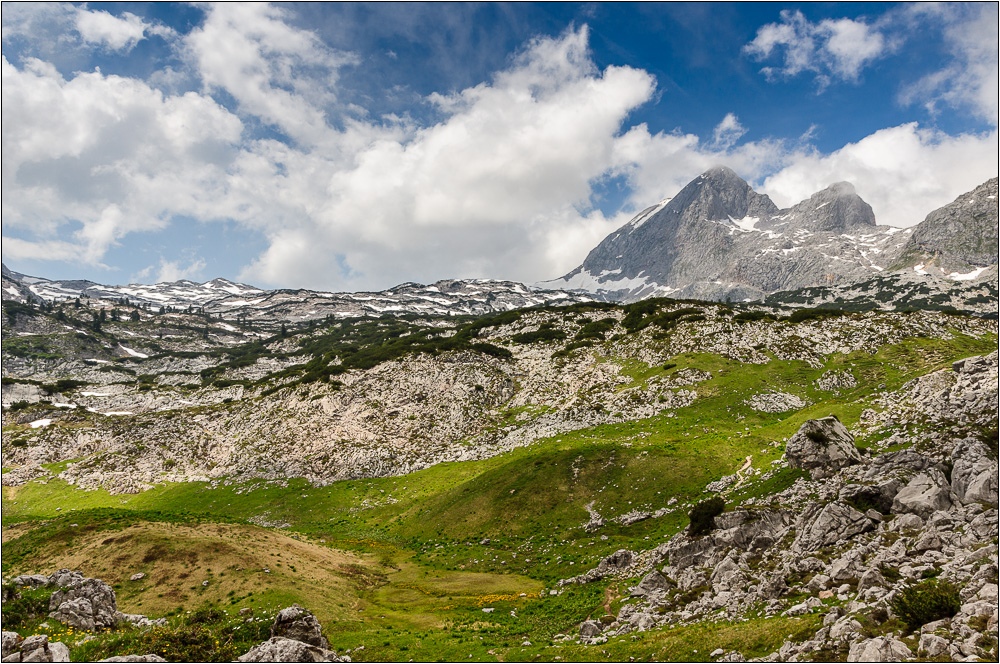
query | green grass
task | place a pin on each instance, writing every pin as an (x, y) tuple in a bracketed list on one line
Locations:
[(415, 559)]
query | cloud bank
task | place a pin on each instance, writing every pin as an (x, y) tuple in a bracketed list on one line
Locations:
[(504, 184)]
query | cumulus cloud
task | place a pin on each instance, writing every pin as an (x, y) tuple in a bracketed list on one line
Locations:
[(970, 79), (903, 172), (280, 74), (728, 131), (501, 185), (51, 28), (90, 159), (482, 190), (116, 33), (830, 49), (167, 270)]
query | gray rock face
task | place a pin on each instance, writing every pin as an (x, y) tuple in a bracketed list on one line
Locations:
[(974, 473), (618, 560), (926, 493), (652, 583), (822, 525), (10, 642), (822, 447), (85, 604), (960, 235), (932, 645), (837, 208), (298, 624), (280, 649), (133, 658), (879, 649), (718, 238), (38, 649), (590, 628)]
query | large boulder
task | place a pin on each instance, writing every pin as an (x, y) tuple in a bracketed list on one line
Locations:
[(279, 649), (652, 584), (37, 648), (925, 494), (591, 628), (974, 473), (879, 649), (11, 641), (822, 447), (823, 525), (619, 560), (299, 625), (86, 604)]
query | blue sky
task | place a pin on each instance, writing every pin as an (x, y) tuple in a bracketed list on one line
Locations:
[(349, 146)]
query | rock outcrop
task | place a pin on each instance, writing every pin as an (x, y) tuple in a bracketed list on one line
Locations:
[(861, 533), (296, 636), (822, 447), (35, 648)]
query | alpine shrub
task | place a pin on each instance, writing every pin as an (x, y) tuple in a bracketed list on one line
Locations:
[(926, 602)]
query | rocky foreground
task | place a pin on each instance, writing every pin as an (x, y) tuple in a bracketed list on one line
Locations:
[(88, 604), (897, 549)]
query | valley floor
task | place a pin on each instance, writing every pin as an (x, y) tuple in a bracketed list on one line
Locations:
[(467, 560)]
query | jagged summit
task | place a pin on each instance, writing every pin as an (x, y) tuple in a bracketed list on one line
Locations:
[(720, 239), (836, 208), (719, 194)]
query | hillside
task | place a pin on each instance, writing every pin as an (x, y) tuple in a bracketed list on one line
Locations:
[(434, 468)]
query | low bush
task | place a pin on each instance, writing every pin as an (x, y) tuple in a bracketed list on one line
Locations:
[(926, 602), (25, 606)]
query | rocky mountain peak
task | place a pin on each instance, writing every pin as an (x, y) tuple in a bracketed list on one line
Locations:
[(836, 209), (960, 236), (719, 194)]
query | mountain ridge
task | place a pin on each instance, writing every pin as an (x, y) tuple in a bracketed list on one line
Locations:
[(718, 239)]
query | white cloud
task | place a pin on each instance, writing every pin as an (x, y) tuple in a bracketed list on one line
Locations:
[(478, 194), (970, 80), (728, 132), (173, 271), (831, 48), (93, 158), (280, 74), (903, 172), (114, 32), (52, 27)]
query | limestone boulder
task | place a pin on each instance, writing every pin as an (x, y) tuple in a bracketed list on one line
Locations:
[(879, 649), (299, 624), (651, 584), (10, 642), (85, 604), (822, 447), (37, 648), (928, 492), (823, 525), (974, 473), (279, 649)]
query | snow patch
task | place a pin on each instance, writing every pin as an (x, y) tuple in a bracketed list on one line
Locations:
[(38, 424), (646, 215), (133, 353), (968, 276)]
